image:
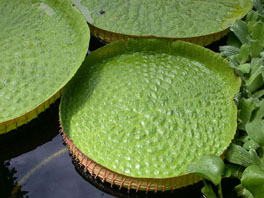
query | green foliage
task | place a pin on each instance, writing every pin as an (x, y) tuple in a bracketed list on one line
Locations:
[(253, 180), (245, 156), (238, 155), (255, 130), (210, 167)]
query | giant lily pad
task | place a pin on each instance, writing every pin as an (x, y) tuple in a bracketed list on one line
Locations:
[(137, 113), (42, 44), (198, 21)]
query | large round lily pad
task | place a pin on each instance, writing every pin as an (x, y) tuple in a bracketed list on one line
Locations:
[(137, 113), (42, 44), (197, 21)]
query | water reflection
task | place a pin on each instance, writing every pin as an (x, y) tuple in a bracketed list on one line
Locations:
[(8, 181), (190, 191), (28, 137)]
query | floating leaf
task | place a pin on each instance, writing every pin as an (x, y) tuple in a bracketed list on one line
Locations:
[(199, 21), (136, 94), (43, 43)]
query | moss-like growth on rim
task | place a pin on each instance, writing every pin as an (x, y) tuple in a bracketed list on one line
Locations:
[(42, 44), (137, 113), (199, 21)]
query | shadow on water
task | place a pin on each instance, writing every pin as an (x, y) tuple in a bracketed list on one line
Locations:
[(189, 191), (8, 181), (29, 136)]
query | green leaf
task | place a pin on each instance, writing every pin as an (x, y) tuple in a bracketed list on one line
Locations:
[(261, 153), (255, 159), (227, 172), (253, 180), (238, 155), (258, 32), (43, 44), (245, 68), (208, 191), (240, 29), (236, 170), (210, 167), (258, 94), (255, 64), (252, 16), (255, 47), (239, 190), (255, 80), (251, 24), (244, 53), (250, 145), (257, 4), (246, 107), (115, 90), (259, 114), (255, 130), (247, 194), (232, 40), (228, 50), (173, 19)]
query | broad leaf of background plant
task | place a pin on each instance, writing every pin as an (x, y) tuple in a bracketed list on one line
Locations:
[(210, 167), (253, 180)]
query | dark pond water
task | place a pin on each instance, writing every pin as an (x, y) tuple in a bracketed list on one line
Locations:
[(34, 162)]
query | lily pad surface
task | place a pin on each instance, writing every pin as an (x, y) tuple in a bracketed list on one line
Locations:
[(137, 113), (199, 21), (42, 44)]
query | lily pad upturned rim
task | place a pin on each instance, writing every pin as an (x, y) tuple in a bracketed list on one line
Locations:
[(114, 178), (70, 12), (202, 39), (141, 183), (109, 37)]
